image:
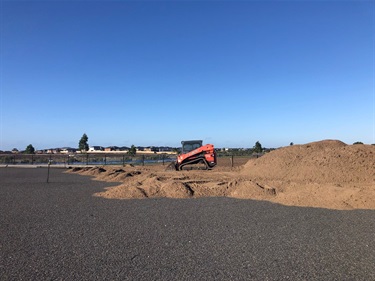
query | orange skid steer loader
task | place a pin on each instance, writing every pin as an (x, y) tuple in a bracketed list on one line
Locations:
[(193, 152)]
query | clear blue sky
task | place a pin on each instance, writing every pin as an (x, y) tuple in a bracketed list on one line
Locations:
[(155, 73)]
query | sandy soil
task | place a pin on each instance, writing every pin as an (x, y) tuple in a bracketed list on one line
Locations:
[(326, 174)]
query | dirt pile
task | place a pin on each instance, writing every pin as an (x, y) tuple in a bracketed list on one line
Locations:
[(147, 182), (328, 174), (322, 162)]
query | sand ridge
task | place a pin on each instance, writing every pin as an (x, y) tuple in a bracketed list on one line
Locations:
[(326, 174)]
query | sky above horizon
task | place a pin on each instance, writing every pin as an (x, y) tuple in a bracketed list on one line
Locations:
[(157, 72)]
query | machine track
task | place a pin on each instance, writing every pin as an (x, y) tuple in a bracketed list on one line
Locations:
[(194, 161)]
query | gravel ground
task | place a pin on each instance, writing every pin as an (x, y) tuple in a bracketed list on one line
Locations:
[(59, 231)]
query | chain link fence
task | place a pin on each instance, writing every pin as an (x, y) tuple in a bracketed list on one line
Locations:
[(99, 159), (84, 159)]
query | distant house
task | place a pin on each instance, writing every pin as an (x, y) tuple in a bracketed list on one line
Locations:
[(67, 150), (112, 148), (154, 149), (53, 150), (165, 149), (150, 149), (96, 148)]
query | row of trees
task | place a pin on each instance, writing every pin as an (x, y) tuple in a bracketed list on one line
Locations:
[(83, 146)]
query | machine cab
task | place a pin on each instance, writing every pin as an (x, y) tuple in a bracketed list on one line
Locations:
[(190, 145)]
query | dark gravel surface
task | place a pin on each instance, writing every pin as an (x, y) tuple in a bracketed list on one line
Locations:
[(59, 231)]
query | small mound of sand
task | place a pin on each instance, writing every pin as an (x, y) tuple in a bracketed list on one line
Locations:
[(321, 162), (148, 187), (176, 189)]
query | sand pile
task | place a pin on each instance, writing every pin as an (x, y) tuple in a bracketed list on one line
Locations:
[(328, 174), (322, 162)]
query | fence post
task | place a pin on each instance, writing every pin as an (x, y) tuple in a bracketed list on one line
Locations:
[(49, 164), (32, 159), (163, 158), (231, 161), (14, 159), (123, 160), (105, 159), (143, 160), (87, 158)]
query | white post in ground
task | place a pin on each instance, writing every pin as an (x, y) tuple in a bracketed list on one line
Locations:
[(49, 164)]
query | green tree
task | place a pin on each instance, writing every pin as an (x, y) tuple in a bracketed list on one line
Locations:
[(132, 150), (30, 149), (358, 142), (83, 145), (257, 147)]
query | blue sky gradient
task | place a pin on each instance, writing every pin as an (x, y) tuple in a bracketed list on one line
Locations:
[(155, 73)]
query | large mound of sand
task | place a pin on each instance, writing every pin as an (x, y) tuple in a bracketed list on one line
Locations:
[(322, 162), (328, 174)]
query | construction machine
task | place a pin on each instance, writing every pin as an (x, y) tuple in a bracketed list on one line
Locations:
[(193, 152)]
